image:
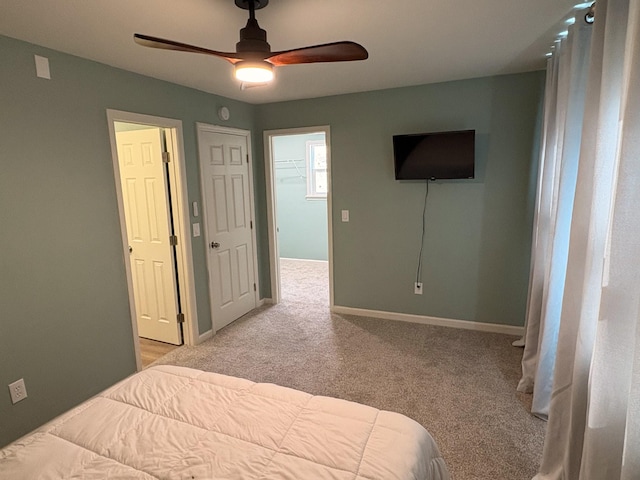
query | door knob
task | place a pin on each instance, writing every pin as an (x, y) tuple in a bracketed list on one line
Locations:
[(215, 245), (130, 249)]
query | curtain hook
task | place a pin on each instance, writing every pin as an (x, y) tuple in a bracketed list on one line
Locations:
[(591, 14)]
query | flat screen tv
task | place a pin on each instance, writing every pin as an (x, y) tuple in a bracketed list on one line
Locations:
[(433, 156)]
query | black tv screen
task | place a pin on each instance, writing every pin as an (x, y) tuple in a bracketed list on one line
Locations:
[(432, 156)]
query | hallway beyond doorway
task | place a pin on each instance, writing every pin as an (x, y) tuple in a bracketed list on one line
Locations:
[(304, 281)]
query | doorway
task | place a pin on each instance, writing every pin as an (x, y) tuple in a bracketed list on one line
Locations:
[(151, 191), (299, 205)]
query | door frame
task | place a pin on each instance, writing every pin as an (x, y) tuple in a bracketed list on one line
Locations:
[(181, 218), (242, 133), (274, 251)]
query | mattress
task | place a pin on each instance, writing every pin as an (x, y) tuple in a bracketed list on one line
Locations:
[(172, 422)]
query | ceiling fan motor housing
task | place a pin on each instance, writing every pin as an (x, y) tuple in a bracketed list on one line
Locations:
[(253, 39), (257, 4)]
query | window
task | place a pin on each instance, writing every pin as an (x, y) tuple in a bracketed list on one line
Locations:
[(317, 169)]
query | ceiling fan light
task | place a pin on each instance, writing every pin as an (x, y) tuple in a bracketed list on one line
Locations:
[(254, 72)]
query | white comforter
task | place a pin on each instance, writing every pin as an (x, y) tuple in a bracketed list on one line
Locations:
[(178, 423)]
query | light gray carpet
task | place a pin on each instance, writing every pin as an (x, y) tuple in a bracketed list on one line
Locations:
[(304, 281), (459, 384)]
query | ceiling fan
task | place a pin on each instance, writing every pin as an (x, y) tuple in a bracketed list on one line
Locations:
[(253, 58)]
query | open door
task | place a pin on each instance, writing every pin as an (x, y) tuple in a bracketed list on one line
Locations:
[(145, 194)]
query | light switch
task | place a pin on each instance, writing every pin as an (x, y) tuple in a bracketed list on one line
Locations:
[(345, 215), (195, 209), (196, 229)]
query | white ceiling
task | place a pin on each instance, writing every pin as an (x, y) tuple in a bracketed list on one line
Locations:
[(410, 42)]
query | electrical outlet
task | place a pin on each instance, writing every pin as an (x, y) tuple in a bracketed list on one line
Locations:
[(417, 288), (17, 390)]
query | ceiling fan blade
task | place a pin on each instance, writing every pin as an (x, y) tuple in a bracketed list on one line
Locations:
[(155, 42), (328, 52)]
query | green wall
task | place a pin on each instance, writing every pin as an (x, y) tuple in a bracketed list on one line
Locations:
[(65, 325), (478, 232), (302, 222)]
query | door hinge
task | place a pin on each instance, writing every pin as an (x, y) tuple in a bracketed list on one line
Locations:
[(251, 224), (254, 287), (181, 318), (165, 157), (173, 240), (247, 158)]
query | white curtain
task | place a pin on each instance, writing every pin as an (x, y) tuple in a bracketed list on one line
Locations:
[(564, 110), (582, 354)]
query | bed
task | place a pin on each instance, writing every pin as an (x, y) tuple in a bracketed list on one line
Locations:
[(178, 423)]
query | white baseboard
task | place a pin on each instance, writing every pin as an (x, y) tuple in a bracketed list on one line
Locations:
[(303, 260), (264, 301), (441, 322)]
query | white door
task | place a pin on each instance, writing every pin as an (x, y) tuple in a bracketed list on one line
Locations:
[(145, 196), (225, 177)]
